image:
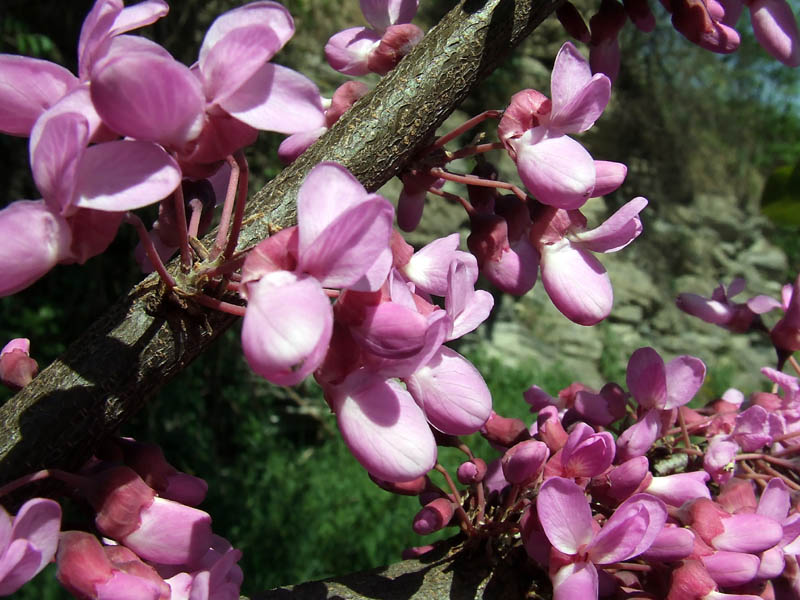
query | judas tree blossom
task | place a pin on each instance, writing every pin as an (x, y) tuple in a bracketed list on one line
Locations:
[(555, 168), (775, 28), (566, 519), (210, 111), (341, 241), (786, 333), (721, 310), (574, 279), (362, 50), (658, 389), (28, 542), (30, 86)]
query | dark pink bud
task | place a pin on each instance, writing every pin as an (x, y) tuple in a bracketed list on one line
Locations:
[(343, 98), (149, 462), (692, 19), (405, 488), (641, 15), (489, 237), (416, 551), (608, 21), (119, 496), (397, 41), (504, 431), (433, 517), (573, 23), (471, 471), (524, 461), (92, 232), (17, 368), (481, 197), (550, 429), (82, 564)]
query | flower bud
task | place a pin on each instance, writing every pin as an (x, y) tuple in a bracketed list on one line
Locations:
[(17, 368), (471, 471), (504, 431), (433, 517), (404, 488), (524, 462)]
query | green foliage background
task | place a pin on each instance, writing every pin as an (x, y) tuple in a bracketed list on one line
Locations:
[(283, 487)]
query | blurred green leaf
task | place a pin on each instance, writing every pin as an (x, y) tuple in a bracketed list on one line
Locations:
[(780, 201)]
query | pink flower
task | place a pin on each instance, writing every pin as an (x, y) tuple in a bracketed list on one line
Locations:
[(566, 519), (361, 50), (554, 167), (17, 368), (341, 241), (721, 310), (574, 279)]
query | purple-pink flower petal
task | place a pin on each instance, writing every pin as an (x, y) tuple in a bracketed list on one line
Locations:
[(557, 170), (125, 175), (348, 51), (384, 428), (451, 393), (619, 230), (564, 514), (287, 326), (380, 14), (577, 283), (28, 87), (646, 378), (630, 530), (277, 99)]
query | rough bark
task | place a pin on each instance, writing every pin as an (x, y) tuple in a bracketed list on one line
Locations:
[(144, 340)]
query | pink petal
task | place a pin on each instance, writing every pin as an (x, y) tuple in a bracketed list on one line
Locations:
[(671, 544), (124, 175), (391, 330), (264, 13), (761, 304), (775, 29), (18, 565), (349, 246), (429, 266), (149, 97), (139, 15), (647, 378), (564, 514), (577, 283), (171, 533), (384, 429), (571, 74), (56, 151), (557, 170), (680, 487), (748, 533), (380, 14), (637, 439), (35, 239), (437, 327), (124, 586), (608, 177), (297, 143), (376, 274), (28, 87), (630, 530), (710, 311), (731, 569), (466, 308), (348, 51), (576, 580), (94, 31), (328, 191), (591, 457), (585, 108), (235, 58), (277, 99), (39, 522), (451, 393), (685, 376), (619, 230), (775, 501), (287, 327), (517, 269)]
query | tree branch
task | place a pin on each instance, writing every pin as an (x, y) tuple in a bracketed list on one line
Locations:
[(144, 340)]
